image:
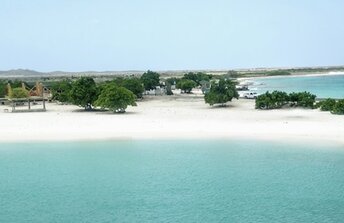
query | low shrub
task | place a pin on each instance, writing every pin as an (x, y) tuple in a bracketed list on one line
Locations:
[(338, 108), (326, 105), (276, 99), (302, 99)]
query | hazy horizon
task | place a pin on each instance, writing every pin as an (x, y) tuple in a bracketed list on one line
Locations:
[(171, 70), (74, 36)]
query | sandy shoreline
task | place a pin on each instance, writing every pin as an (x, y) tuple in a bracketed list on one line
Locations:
[(243, 79), (176, 117)]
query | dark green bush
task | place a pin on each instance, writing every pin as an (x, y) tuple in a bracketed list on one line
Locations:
[(186, 85), (326, 105), (338, 108), (276, 99), (221, 92), (302, 99)]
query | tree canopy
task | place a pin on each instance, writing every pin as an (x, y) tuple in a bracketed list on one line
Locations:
[(18, 83), (3, 89), (302, 99), (61, 90), (172, 81), (135, 85), (150, 79), (338, 108), (186, 85), (232, 74), (277, 99), (115, 98), (197, 77), (278, 73), (332, 105), (84, 92), (221, 92), (326, 105)]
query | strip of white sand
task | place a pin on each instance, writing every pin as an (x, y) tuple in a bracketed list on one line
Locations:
[(333, 73), (172, 117)]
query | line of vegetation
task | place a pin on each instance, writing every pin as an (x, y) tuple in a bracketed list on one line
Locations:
[(189, 81), (84, 92), (279, 99), (279, 72), (235, 74), (14, 84), (221, 92), (150, 80), (332, 105), (119, 93)]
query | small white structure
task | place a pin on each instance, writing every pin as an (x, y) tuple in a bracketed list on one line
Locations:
[(157, 91)]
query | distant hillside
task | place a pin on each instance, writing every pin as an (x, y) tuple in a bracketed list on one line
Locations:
[(21, 73), (248, 72)]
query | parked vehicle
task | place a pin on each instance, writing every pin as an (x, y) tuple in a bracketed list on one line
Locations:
[(251, 95)]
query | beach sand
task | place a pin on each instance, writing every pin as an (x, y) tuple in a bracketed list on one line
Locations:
[(173, 117)]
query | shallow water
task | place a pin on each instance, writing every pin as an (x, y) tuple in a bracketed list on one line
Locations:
[(322, 86), (171, 181)]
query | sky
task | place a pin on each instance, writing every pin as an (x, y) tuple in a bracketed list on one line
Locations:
[(103, 35)]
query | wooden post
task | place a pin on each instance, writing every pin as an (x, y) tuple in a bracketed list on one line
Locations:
[(29, 104), (44, 104), (9, 90)]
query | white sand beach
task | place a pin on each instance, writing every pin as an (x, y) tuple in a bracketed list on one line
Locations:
[(320, 74), (173, 117)]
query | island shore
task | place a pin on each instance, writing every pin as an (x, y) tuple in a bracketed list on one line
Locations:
[(173, 117), (320, 74)]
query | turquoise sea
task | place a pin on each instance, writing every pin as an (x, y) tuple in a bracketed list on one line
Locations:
[(322, 86), (171, 181)]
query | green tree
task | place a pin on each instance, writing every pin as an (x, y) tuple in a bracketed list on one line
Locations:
[(18, 83), (276, 99), (232, 74), (338, 108), (3, 89), (302, 99), (197, 77), (61, 90), (172, 80), (221, 92), (278, 73), (84, 92), (150, 79), (326, 105), (186, 85), (133, 84), (19, 92), (115, 98)]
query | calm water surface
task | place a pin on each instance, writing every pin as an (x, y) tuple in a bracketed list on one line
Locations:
[(322, 86), (171, 181)]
